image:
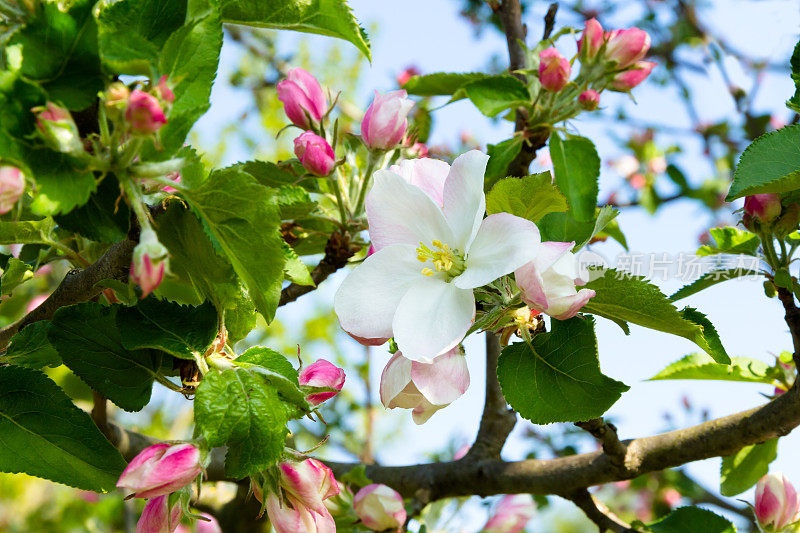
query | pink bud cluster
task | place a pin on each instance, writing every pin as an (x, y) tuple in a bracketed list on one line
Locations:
[(143, 111), (622, 50)]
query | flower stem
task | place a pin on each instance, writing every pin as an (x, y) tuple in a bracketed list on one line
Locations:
[(372, 161)]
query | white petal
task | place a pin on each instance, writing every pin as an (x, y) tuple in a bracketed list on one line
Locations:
[(444, 380), (426, 173), (400, 213), (394, 378), (432, 318), (568, 306), (367, 299), (464, 202), (503, 244), (424, 411), (550, 252)]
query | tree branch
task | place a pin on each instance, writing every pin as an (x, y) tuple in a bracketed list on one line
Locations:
[(792, 318), (598, 512), (606, 434)]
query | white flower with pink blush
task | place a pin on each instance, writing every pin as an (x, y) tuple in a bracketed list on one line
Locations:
[(424, 387), (548, 282), (511, 514), (417, 286)]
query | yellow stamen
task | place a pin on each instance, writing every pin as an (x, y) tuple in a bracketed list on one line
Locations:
[(427, 272)]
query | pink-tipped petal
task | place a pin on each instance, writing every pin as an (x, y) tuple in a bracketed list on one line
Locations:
[(427, 174), (464, 201), (443, 381)]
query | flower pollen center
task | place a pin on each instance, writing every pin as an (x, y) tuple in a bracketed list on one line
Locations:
[(442, 258)]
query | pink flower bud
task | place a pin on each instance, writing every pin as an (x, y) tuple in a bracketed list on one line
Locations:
[(144, 114), (163, 90), (385, 121), (418, 150), (764, 207), (314, 153), (149, 262), (117, 95), (302, 97), (554, 70), (309, 482), (406, 75), (207, 526), (591, 40), (776, 502), (548, 282), (589, 99), (59, 131), (380, 507), (628, 79), (322, 374), (12, 185), (291, 516), (626, 47), (161, 469), (156, 518), (511, 514)]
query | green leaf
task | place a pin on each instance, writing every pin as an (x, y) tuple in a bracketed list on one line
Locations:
[(633, 299), (293, 202), (61, 183), (30, 348), (268, 174), (605, 217), (59, 50), (560, 379), (531, 197), (563, 227), (103, 218), (770, 164), (494, 94), (730, 240), (500, 156), (88, 341), (702, 366), (692, 520), (715, 348), (576, 166), (709, 280), (45, 435), (440, 83), (238, 214), (793, 103), (277, 371), (325, 17), (27, 232), (14, 274), (743, 469), (238, 408), (295, 270), (180, 330)]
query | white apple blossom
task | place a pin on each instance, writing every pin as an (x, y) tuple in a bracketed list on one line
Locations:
[(417, 286)]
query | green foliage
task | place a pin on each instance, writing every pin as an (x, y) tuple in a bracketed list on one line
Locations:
[(715, 347), (295, 270), (59, 50), (494, 94), (702, 366), (692, 520), (500, 156), (45, 435), (88, 341), (238, 408), (531, 197), (277, 371), (770, 164), (15, 273), (62, 183), (564, 227), (709, 280), (440, 83), (180, 330), (577, 167), (558, 379), (730, 240), (743, 469), (103, 218), (794, 102), (27, 232), (30, 348), (237, 213), (622, 297), (325, 17)]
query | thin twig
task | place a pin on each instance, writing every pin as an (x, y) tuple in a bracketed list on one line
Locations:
[(606, 434), (598, 512)]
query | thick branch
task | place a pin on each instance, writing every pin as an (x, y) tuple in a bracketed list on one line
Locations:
[(597, 512), (79, 285), (792, 320)]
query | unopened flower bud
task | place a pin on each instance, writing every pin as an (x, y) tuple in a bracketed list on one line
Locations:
[(764, 207), (117, 95), (406, 75), (163, 91), (303, 99), (776, 502), (385, 121), (554, 70), (158, 518), (314, 153), (149, 262), (589, 99), (626, 47), (59, 131), (144, 114), (379, 507), (308, 482), (591, 40), (787, 222), (628, 79), (322, 374), (12, 185), (161, 469)]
